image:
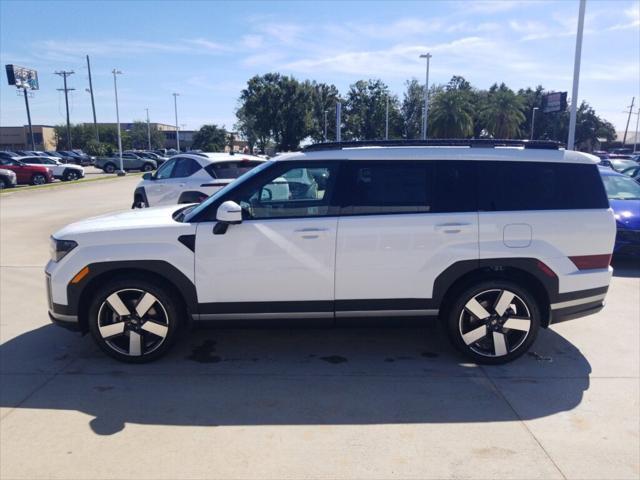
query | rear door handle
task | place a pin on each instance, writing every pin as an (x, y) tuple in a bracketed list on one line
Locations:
[(310, 232), (452, 227)]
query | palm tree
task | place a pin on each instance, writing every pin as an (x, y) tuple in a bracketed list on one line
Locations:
[(451, 115), (502, 114)]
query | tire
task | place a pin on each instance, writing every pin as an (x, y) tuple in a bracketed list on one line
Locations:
[(493, 322), (38, 179), (3, 184), (70, 175), (148, 167), (138, 202), (109, 168), (113, 319)]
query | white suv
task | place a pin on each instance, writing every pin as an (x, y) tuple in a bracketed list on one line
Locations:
[(497, 239), (190, 178), (61, 171)]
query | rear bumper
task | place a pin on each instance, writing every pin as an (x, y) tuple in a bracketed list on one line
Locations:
[(574, 305)]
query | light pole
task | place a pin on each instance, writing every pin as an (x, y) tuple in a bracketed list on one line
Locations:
[(148, 129), (635, 138), (338, 122), (175, 107), (533, 120), (116, 72), (576, 77), (325, 125), (425, 117), (386, 121)]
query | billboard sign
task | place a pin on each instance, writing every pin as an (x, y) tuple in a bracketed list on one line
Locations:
[(555, 102), (22, 77)]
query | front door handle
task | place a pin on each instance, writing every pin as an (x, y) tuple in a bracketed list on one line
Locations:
[(452, 227)]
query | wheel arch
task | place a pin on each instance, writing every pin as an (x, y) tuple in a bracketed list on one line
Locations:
[(81, 295), (525, 272)]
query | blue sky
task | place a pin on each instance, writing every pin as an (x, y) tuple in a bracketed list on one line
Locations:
[(207, 50)]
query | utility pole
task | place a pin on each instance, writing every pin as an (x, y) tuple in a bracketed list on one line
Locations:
[(635, 139), (325, 125), (26, 102), (576, 77), (148, 129), (425, 117), (115, 72), (93, 103), (626, 129), (338, 122), (386, 121), (175, 106), (64, 74), (533, 120)]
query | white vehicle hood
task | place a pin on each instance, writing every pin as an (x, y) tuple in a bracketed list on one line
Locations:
[(130, 220)]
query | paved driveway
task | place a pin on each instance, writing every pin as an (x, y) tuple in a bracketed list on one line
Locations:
[(290, 403)]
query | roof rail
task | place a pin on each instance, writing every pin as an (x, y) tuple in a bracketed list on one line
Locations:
[(481, 143)]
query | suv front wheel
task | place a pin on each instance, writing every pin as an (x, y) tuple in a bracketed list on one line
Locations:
[(493, 322), (134, 320)]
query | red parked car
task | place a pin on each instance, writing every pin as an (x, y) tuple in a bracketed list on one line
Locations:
[(27, 174)]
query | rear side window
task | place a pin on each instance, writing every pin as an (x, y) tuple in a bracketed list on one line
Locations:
[(185, 167), (230, 169), (513, 186), (455, 187), (379, 187)]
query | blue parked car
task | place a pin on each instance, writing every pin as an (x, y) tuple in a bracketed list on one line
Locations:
[(624, 198)]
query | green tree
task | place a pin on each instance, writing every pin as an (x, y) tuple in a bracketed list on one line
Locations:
[(137, 136), (502, 114), (210, 138), (323, 99), (275, 107), (411, 109), (451, 115), (365, 108)]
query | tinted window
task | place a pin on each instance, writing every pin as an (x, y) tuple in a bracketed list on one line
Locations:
[(185, 167), (512, 186), (32, 160), (230, 169), (290, 191), (455, 187), (379, 187)]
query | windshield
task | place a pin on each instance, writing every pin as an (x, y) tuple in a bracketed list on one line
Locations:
[(621, 188), (223, 191)]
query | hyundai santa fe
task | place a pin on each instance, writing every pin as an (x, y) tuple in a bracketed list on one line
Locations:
[(496, 239)]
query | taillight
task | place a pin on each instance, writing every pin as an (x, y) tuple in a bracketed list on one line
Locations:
[(589, 262)]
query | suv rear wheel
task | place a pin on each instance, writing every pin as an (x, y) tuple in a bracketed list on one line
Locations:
[(134, 320), (493, 322)]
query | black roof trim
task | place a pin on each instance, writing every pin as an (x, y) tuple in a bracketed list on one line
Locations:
[(481, 143)]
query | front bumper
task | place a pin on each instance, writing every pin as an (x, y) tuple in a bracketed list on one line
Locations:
[(59, 314)]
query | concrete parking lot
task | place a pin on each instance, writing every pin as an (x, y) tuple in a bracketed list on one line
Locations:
[(290, 403)]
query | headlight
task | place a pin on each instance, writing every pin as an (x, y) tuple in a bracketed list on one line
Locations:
[(59, 248)]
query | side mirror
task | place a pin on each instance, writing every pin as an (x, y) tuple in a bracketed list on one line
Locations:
[(229, 212), (148, 176)]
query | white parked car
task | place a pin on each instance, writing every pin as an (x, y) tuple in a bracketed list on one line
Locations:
[(61, 171), (190, 178), (498, 242)]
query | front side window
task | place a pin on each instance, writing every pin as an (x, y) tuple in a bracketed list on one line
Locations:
[(33, 160), (291, 191), (380, 187), (165, 170), (185, 167)]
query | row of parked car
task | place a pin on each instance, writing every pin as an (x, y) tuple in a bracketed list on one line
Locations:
[(31, 169)]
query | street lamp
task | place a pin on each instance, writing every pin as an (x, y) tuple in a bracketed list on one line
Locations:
[(325, 125), (115, 72), (175, 106), (576, 77), (533, 120), (425, 117)]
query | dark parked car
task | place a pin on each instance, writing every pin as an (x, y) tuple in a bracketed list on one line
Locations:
[(624, 199)]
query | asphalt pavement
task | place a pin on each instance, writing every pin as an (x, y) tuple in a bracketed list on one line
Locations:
[(366, 403)]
